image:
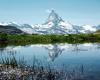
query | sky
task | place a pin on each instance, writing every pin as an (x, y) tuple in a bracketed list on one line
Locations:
[(78, 12)]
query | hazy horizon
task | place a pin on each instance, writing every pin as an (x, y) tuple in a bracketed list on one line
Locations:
[(78, 12)]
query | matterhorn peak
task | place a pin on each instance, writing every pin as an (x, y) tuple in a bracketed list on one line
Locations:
[(53, 25), (54, 17)]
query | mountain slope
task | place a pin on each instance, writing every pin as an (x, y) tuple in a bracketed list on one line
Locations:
[(23, 27), (53, 25), (9, 29), (56, 25)]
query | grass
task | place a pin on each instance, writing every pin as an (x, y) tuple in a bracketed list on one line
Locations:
[(11, 69), (25, 39)]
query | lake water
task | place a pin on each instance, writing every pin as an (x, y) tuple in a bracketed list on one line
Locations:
[(60, 56)]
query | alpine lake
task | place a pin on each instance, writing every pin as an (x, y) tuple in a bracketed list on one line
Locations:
[(59, 61)]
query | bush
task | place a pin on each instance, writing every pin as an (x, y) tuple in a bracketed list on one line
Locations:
[(3, 37), (23, 39)]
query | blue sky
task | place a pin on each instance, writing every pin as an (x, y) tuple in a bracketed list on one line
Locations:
[(78, 12)]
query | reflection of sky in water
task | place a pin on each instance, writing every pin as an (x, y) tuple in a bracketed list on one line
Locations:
[(72, 56), (58, 54)]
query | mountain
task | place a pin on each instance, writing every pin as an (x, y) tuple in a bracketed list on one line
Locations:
[(53, 25), (98, 27), (88, 29), (23, 27), (26, 28), (10, 29), (54, 51), (56, 25)]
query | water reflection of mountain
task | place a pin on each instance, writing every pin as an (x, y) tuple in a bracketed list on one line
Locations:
[(9, 50), (54, 51), (77, 48)]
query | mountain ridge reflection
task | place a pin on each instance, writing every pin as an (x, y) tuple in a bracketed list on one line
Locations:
[(54, 50), (62, 56)]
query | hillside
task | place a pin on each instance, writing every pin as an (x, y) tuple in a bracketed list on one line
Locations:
[(10, 30)]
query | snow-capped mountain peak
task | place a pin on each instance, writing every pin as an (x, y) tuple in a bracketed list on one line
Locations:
[(53, 17), (54, 24), (88, 27)]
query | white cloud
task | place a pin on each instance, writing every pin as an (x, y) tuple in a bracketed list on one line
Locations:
[(48, 10)]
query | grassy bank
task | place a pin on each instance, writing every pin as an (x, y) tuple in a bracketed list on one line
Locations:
[(13, 69), (23, 39)]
